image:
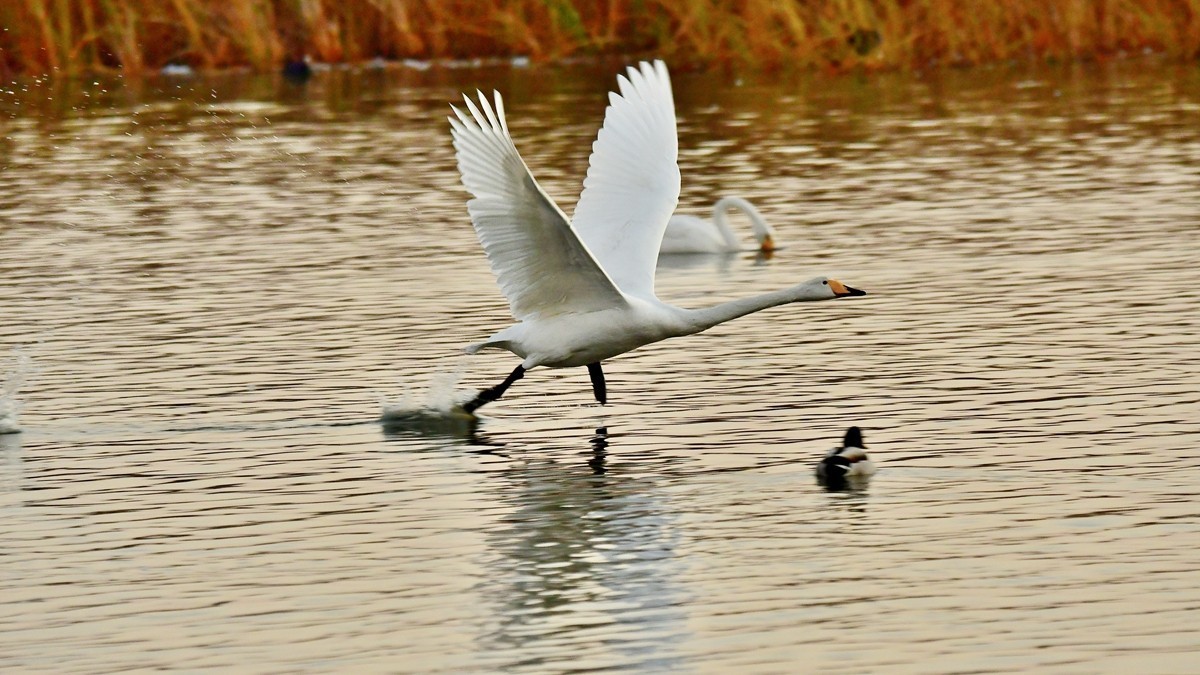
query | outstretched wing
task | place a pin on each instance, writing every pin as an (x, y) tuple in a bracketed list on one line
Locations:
[(632, 184), (541, 265)]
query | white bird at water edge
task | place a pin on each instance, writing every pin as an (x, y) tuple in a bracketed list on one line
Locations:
[(582, 289), (692, 234)]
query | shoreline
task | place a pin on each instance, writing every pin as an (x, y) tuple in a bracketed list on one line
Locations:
[(143, 37), (184, 72)]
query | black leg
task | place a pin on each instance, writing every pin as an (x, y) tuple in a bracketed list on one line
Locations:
[(598, 382), (489, 395)]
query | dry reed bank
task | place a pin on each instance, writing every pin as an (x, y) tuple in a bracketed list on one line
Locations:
[(74, 36)]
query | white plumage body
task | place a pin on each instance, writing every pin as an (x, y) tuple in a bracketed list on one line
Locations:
[(567, 340)]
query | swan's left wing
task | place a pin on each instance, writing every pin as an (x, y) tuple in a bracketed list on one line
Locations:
[(632, 184), (541, 265)]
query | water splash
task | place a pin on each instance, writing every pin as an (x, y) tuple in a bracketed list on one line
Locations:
[(14, 378), (437, 406)]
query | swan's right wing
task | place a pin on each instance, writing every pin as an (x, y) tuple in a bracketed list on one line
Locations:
[(541, 265), (632, 184)]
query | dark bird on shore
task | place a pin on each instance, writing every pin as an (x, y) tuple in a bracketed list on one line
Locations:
[(297, 70)]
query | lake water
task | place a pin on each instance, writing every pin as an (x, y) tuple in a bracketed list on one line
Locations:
[(208, 286)]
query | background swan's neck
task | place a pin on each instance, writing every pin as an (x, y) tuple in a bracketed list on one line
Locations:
[(697, 320), (720, 216), (721, 220)]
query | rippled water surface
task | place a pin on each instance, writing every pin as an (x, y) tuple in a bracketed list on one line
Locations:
[(211, 284)]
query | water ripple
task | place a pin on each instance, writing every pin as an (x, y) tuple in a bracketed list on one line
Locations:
[(216, 285)]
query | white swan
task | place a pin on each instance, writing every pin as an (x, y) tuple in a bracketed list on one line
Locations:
[(846, 464), (582, 290), (692, 234)]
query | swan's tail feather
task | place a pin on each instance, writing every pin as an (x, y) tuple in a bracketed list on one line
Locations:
[(486, 344)]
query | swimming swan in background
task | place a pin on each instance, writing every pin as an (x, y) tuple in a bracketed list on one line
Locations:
[(692, 234), (582, 290), (847, 463)]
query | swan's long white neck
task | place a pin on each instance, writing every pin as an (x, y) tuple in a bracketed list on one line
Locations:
[(697, 320), (721, 219)]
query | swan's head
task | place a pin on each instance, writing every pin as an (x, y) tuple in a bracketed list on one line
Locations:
[(827, 289), (767, 244)]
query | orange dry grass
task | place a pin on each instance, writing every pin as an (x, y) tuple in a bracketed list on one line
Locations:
[(73, 36)]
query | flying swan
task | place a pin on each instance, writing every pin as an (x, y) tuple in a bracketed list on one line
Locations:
[(692, 234), (582, 290)]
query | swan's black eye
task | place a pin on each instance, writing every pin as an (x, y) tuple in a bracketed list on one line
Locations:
[(824, 283)]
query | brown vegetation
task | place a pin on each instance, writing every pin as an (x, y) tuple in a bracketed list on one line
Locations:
[(74, 36)]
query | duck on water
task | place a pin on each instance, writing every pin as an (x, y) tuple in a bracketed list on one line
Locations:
[(846, 464)]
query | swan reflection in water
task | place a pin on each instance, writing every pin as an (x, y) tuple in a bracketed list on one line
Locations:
[(599, 451), (588, 549)]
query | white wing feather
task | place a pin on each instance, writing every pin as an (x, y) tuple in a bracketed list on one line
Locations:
[(632, 184), (541, 265)]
